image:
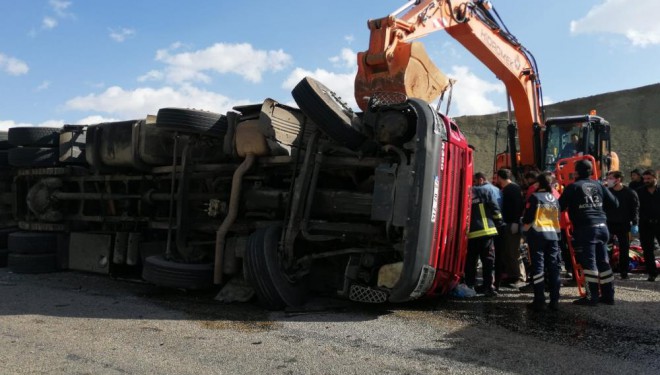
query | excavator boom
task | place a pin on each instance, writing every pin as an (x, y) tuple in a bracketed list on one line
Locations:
[(395, 63)]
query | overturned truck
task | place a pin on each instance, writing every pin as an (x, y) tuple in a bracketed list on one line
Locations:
[(371, 206)]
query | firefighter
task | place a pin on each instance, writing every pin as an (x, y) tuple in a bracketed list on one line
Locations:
[(586, 201), (485, 216), (541, 226)]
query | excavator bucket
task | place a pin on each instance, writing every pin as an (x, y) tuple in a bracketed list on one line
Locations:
[(409, 71)]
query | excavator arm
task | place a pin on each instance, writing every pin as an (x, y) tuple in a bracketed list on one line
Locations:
[(394, 63)]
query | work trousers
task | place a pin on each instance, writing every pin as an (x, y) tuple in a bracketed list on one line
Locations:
[(648, 233), (480, 248), (545, 259), (622, 233), (591, 253), (510, 258)]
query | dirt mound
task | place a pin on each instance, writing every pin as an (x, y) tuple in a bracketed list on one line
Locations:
[(632, 114)]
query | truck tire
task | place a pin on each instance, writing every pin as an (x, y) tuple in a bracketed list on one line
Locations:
[(192, 121), (32, 243), (262, 268), (328, 112), (27, 157), (162, 272), (32, 263), (34, 136)]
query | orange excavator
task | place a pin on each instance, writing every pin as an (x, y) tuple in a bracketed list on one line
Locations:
[(395, 62)]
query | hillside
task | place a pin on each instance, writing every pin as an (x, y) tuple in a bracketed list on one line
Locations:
[(633, 115)]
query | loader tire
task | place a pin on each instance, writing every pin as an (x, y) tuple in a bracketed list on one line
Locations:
[(263, 270), (162, 272), (32, 263), (34, 136), (328, 112), (29, 157), (192, 121)]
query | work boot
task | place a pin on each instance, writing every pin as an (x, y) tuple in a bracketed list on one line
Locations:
[(651, 278), (554, 306)]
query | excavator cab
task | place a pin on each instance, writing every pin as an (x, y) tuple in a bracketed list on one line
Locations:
[(572, 137)]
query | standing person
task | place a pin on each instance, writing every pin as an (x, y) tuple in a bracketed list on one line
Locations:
[(485, 215), (586, 201), (541, 223), (649, 220), (622, 220), (512, 208), (636, 179), (531, 183)]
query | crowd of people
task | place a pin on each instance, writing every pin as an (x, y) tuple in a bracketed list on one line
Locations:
[(505, 215)]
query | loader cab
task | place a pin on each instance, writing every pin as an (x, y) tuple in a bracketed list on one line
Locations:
[(567, 137)]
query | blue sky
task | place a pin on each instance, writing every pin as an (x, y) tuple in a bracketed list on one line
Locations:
[(74, 61)]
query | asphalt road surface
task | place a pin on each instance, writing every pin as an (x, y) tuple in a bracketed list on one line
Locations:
[(76, 323)]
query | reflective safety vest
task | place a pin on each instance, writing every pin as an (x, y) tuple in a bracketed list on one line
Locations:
[(485, 213), (542, 212)]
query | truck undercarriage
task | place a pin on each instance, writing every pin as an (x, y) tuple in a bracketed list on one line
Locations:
[(371, 206)]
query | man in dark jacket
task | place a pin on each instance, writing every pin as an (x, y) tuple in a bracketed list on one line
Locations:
[(586, 201), (636, 181), (510, 260), (484, 217), (649, 220), (623, 220)]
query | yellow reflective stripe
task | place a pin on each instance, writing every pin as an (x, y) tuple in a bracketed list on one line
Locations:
[(497, 216), (487, 230), (483, 232)]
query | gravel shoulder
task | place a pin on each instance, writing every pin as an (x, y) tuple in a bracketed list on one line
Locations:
[(75, 323)]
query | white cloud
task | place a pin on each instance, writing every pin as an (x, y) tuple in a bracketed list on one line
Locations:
[(43, 86), (347, 58), (12, 65), (469, 95), (48, 23), (143, 101), (152, 75), (95, 119), (60, 7), (349, 39), (342, 84), (122, 34), (241, 59), (635, 20)]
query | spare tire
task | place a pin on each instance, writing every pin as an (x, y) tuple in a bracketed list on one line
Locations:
[(32, 242), (328, 112), (30, 157), (162, 272), (192, 121), (32, 263), (34, 136)]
